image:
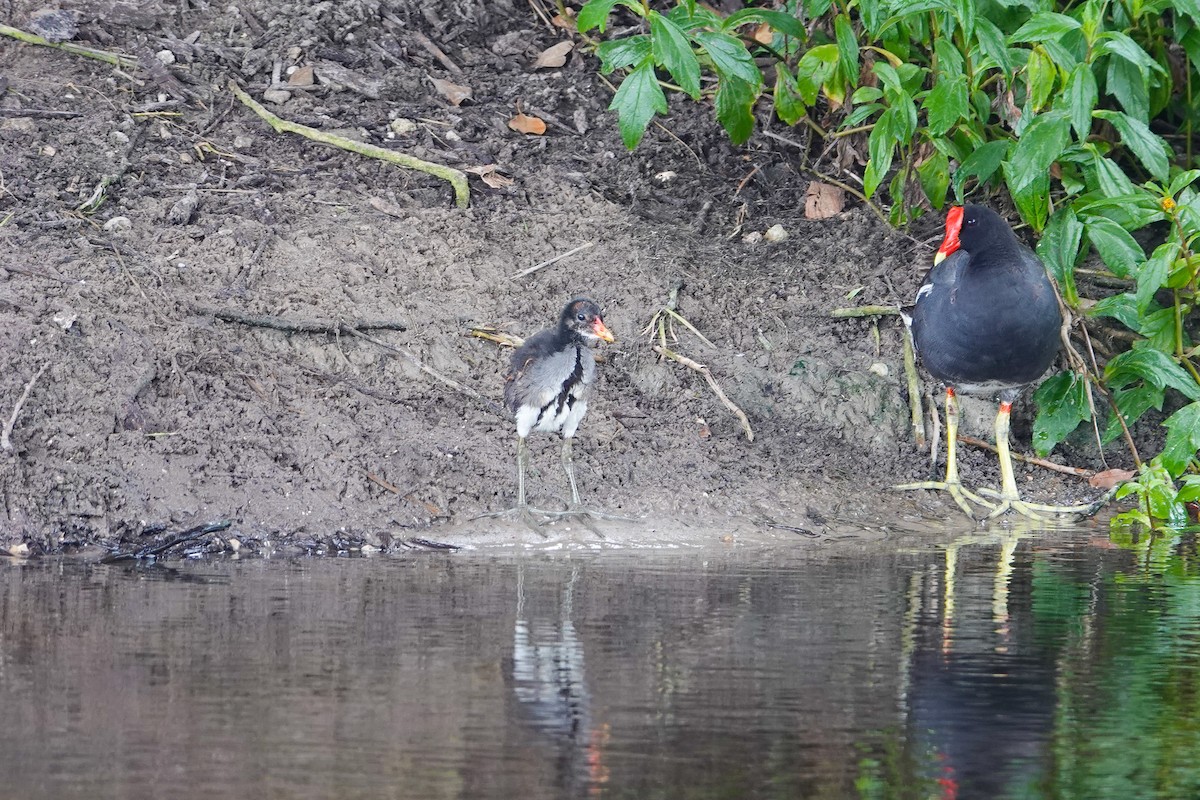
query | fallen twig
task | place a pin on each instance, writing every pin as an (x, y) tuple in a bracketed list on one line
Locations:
[(712, 382), (456, 178), (302, 325), (491, 405), (864, 311), (158, 549), (550, 261), (435, 51), (115, 59), (5, 441), (1078, 472)]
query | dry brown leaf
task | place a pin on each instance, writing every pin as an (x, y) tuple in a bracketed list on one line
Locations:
[(554, 56), (1109, 478), (823, 201), (523, 123), (488, 174), (303, 76), (387, 207), (763, 34), (567, 22), (453, 92)]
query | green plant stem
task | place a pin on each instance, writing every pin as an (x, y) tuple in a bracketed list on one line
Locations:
[(116, 59), (457, 179)]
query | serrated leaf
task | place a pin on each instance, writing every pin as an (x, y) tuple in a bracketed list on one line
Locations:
[(1116, 247), (637, 99), (981, 164), (991, 42), (1153, 366), (1121, 307), (735, 104), (673, 50), (1033, 200), (881, 145), (1183, 438), (729, 57), (1130, 85), (1119, 43), (784, 23), (1159, 329), (1183, 179), (1062, 404), (594, 14), (1041, 75), (1131, 403), (1079, 97), (789, 105), (1058, 249), (949, 60), (1042, 142), (1109, 178), (934, 175), (946, 104), (622, 53), (1149, 148), (816, 67), (847, 44), (1152, 274), (1044, 25)]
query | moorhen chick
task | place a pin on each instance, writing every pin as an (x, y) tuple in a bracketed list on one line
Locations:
[(986, 321), (547, 389)]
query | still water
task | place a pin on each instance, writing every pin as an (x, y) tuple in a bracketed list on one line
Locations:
[(1022, 665)]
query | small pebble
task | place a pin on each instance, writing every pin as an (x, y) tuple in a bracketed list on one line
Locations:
[(753, 237), (402, 126), (879, 368), (165, 56), (184, 209), (276, 96), (775, 233), (118, 224), (243, 142), (48, 151), (117, 138)]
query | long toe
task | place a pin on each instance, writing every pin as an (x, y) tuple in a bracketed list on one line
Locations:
[(962, 496)]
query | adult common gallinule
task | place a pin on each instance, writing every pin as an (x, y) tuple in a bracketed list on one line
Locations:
[(547, 388), (986, 321)]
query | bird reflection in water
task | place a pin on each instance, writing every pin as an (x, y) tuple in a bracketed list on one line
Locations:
[(549, 681)]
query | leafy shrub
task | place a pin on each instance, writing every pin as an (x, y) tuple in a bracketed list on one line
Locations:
[(1066, 107)]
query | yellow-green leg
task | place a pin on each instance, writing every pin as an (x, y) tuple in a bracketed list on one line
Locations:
[(951, 484), (1009, 497)]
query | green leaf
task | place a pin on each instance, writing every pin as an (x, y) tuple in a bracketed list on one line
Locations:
[(1033, 201), (1183, 438), (1159, 329), (1152, 274), (892, 87), (934, 175), (735, 104), (1041, 74), (730, 57), (1155, 367), (637, 99), (778, 20), (673, 50), (622, 53), (789, 105), (946, 104), (866, 94), (881, 145), (1044, 25), (815, 68), (1131, 403), (1183, 179), (1058, 249), (1119, 43), (1130, 85), (1149, 148), (1062, 404), (594, 13), (1079, 97), (1121, 307), (1116, 247), (1110, 179), (847, 44), (1039, 146), (1191, 8), (981, 164), (991, 42)]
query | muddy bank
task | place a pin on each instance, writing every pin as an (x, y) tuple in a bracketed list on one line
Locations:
[(151, 411)]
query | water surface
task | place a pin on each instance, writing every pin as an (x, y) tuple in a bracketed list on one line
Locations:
[(978, 666)]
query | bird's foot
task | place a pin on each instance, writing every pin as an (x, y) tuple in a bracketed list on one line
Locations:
[(955, 489), (1039, 511), (527, 514), (587, 516)]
